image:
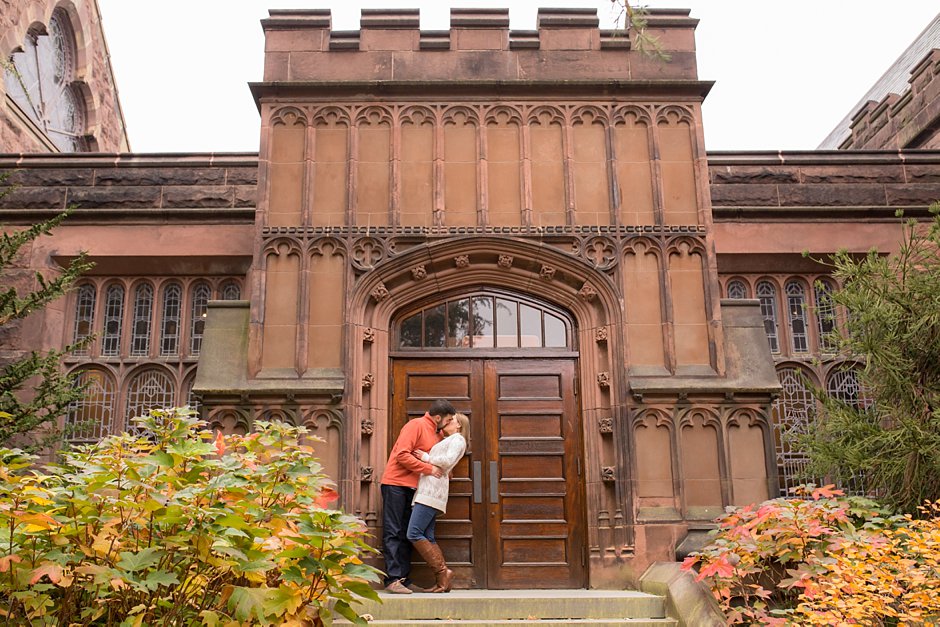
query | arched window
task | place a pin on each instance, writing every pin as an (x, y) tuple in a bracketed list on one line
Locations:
[(794, 413), (767, 294), (191, 400), (84, 316), (796, 312), (150, 389), (231, 291), (825, 316), (143, 313), (845, 385), (197, 320), (113, 321), (41, 82), (737, 289), (170, 328), (90, 418), (484, 320)]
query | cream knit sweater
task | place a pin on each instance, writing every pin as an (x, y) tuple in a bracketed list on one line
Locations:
[(432, 491)]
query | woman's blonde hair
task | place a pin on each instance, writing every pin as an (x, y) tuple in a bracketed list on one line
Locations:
[(464, 424)]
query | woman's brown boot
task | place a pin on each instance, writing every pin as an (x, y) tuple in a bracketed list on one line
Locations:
[(435, 559)]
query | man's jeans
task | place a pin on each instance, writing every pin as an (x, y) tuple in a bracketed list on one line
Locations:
[(396, 512)]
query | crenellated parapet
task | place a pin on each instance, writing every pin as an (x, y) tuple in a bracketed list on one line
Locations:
[(902, 121), (479, 47)]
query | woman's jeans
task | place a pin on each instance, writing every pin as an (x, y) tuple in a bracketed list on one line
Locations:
[(421, 525)]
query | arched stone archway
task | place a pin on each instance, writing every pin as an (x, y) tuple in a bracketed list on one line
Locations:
[(521, 267)]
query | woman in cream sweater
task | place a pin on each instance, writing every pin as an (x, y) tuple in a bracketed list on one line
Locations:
[(431, 498)]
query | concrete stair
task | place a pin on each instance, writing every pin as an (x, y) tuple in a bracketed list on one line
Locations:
[(544, 608)]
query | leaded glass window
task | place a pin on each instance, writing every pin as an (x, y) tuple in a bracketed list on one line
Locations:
[(170, 328), (825, 316), (84, 316), (192, 401), (143, 313), (794, 414), (41, 82), (737, 289), (231, 291), (796, 312), (150, 389), (113, 321), (483, 320), (89, 418), (845, 385), (197, 320), (767, 294)]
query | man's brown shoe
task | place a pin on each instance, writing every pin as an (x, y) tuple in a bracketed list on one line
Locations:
[(416, 588), (397, 587)]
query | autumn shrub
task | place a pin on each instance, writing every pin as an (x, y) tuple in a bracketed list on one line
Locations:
[(824, 559), (176, 526)]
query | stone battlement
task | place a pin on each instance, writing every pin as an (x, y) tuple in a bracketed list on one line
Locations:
[(390, 46), (907, 120)]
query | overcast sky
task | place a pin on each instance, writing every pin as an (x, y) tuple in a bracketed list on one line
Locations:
[(785, 72)]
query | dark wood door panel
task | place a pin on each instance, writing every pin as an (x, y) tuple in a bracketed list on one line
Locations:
[(517, 523)]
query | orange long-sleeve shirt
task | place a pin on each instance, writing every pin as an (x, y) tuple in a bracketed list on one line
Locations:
[(403, 468)]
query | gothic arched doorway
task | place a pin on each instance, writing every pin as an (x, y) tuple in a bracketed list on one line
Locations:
[(515, 515)]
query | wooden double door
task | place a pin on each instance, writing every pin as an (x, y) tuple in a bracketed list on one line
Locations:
[(515, 517)]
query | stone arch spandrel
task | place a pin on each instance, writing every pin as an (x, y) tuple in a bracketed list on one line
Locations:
[(520, 266)]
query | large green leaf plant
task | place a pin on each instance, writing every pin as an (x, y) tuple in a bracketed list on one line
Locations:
[(179, 526)]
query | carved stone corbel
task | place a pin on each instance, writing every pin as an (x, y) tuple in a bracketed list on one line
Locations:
[(365, 474), (380, 292), (605, 425), (419, 272), (587, 292), (505, 261), (462, 261), (368, 335), (368, 426), (600, 335), (547, 272), (368, 380), (603, 379), (607, 474)]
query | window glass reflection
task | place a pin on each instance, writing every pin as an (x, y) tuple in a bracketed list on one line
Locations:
[(507, 323), (556, 336), (410, 335), (483, 322), (458, 323), (434, 327), (530, 320)]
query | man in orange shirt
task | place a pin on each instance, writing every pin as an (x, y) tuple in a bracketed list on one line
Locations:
[(399, 482)]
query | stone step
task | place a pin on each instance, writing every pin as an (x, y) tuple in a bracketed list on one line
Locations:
[(501, 607)]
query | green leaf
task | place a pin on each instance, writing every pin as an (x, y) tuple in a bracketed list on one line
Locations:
[(160, 578), (164, 459), (132, 562)]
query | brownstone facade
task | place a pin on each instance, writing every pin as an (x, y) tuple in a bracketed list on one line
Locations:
[(525, 222)]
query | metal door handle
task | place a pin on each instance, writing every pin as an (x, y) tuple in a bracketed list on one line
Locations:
[(494, 484), (477, 486)]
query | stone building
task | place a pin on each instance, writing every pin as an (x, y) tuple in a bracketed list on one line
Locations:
[(524, 222)]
